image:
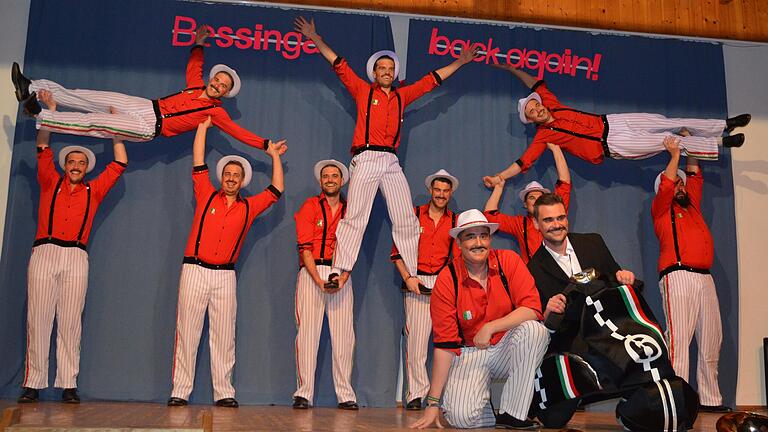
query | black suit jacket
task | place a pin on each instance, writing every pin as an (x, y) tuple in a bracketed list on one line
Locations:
[(590, 250)]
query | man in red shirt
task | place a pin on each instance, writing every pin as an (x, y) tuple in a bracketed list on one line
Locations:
[(593, 137), (687, 289), (436, 246), (522, 227), (316, 223), (58, 268), (380, 108), (485, 316), (208, 281), (108, 114)]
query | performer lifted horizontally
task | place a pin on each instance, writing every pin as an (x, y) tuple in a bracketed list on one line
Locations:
[(485, 311), (436, 247), (58, 268), (316, 223), (593, 137), (687, 288), (522, 227), (376, 138), (108, 114), (208, 280)]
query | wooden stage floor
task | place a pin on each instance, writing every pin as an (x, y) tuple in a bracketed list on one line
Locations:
[(126, 415)]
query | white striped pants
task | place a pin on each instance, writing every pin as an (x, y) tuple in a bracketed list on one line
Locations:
[(691, 307), (134, 121), (311, 304), (467, 397), (369, 171), (202, 289), (640, 135), (418, 328), (57, 281)]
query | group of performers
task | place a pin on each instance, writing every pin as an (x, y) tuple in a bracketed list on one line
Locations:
[(484, 308)]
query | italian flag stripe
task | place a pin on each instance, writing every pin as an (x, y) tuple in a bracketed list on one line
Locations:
[(566, 377), (633, 306), (89, 128)]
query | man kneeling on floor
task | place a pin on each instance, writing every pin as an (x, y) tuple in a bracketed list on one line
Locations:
[(485, 313)]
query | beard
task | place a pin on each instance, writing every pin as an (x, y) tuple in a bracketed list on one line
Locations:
[(682, 200)]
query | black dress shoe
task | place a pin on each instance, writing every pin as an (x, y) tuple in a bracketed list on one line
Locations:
[(300, 403), (738, 121), (69, 395), (227, 403), (32, 107), (733, 140), (20, 83), (714, 408), (28, 395), (414, 405), (333, 282), (174, 401), (506, 421), (349, 405)]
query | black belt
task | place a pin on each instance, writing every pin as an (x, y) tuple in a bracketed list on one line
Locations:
[(421, 273), (158, 116), (678, 266), (57, 242), (604, 141), (201, 263), (361, 149), (325, 262)]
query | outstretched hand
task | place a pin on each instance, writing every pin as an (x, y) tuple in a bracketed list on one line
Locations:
[(492, 181), (672, 144), (307, 28), (207, 123), (431, 415), (201, 33), (504, 66), (469, 54), (277, 148)]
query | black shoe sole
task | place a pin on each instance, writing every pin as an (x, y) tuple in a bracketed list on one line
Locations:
[(17, 77), (732, 127), (25, 400)]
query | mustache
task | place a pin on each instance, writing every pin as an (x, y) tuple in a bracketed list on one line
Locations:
[(556, 229), (478, 249)]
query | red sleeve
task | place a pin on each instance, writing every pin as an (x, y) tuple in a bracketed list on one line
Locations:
[(195, 67), (564, 190), (548, 99), (663, 199), (305, 225), (507, 224), (411, 92), (201, 183), (522, 288), (348, 77), (442, 309), (262, 201), (107, 179), (221, 119), (534, 150), (47, 176), (694, 185)]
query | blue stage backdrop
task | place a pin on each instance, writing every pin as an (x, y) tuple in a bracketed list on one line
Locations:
[(468, 126)]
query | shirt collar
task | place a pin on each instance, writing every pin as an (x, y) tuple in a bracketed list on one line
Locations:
[(568, 249)]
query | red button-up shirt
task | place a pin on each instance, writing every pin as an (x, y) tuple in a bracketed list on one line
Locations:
[(568, 119), (477, 306), (222, 233), (435, 241), (190, 99), (316, 227), (522, 226), (693, 236), (70, 207), (385, 119)]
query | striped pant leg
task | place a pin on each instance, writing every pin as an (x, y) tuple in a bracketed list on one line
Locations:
[(641, 135), (222, 316), (366, 171), (73, 285), (467, 395), (418, 328), (134, 120), (516, 358), (681, 303), (194, 293), (709, 336), (405, 225), (42, 295), (310, 307), (338, 307)]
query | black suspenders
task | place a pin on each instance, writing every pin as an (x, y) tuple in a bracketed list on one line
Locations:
[(602, 140), (325, 231), (525, 237), (368, 118), (53, 205), (242, 232), (56, 191), (202, 221), (674, 233), (168, 115)]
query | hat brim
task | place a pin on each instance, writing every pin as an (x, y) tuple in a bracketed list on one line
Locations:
[(372, 61), (69, 149), (324, 163), (521, 106), (523, 193), (430, 178), (454, 232), (231, 72), (657, 182), (246, 167)]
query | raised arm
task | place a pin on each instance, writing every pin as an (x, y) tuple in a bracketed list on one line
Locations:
[(563, 174), (275, 150), (466, 56), (198, 147), (511, 171), (525, 77), (307, 28), (118, 148), (493, 200), (672, 144)]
